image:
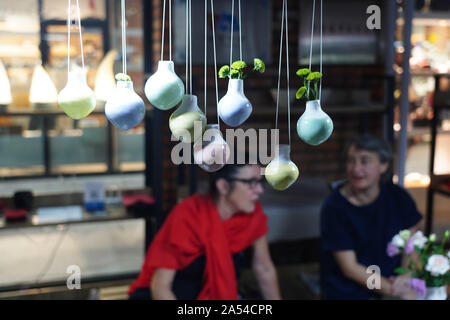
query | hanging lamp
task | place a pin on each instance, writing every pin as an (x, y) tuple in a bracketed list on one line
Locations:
[(282, 172), (315, 126), (76, 99), (125, 109), (164, 89)]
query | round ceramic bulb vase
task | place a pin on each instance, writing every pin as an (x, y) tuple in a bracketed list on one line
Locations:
[(164, 89), (125, 109), (314, 126), (281, 172), (76, 99), (186, 118), (211, 152), (234, 107)]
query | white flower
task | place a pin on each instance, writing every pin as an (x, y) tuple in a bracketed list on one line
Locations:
[(432, 237), (437, 265), (405, 234), (398, 241), (419, 239)]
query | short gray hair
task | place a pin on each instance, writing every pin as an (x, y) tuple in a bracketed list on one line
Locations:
[(377, 145)]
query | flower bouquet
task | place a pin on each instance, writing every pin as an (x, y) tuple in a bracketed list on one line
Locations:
[(429, 269)]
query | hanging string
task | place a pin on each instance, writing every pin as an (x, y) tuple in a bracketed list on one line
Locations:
[(287, 73), (68, 37), (232, 20), (162, 36), (190, 45), (312, 36), (206, 44), (124, 40), (215, 61), (321, 27), (240, 32), (187, 46), (170, 30), (81, 39), (279, 64)]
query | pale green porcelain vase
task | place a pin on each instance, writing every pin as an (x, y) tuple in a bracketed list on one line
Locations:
[(188, 122), (281, 172), (76, 99)]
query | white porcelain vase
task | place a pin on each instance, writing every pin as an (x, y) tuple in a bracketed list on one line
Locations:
[(125, 109), (314, 126), (234, 107), (435, 293), (164, 89), (212, 152)]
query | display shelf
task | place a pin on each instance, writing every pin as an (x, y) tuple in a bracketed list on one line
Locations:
[(437, 180)]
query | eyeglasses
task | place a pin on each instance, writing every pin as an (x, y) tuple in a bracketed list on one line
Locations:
[(252, 183)]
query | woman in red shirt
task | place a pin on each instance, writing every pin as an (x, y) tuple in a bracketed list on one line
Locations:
[(197, 252)]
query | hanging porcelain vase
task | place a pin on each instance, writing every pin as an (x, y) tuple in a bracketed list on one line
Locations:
[(314, 126), (5, 87), (211, 152), (234, 107), (281, 172), (435, 293), (77, 99), (188, 122), (164, 89), (125, 109)]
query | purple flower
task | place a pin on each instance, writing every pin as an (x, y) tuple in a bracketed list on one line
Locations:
[(409, 248), (392, 249), (419, 286)]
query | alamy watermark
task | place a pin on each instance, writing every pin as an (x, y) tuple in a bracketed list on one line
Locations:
[(374, 20), (74, 278), (374, 280)]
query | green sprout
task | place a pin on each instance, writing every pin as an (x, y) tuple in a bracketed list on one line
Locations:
[(238, 68), (309, 90), (122, 77)]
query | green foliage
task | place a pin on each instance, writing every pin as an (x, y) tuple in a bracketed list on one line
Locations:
[(401, 270), (300, 92), (310, 84), (259, 65), (238, 69), (122, 77), (224, 72), (238, 65)]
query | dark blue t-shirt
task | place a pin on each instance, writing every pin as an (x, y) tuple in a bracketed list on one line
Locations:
[(366, 230)]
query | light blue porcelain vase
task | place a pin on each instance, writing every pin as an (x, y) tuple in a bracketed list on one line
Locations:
[(314, 126), (125, 109), (234, 107), (164, 89)]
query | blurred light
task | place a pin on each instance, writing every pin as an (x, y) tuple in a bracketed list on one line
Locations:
[(397, 127), (5, 87), (42, 90), (105, 83), (446, 125), (416, 179)]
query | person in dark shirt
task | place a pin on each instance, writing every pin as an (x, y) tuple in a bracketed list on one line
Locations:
[(197, 254), (358, 219)]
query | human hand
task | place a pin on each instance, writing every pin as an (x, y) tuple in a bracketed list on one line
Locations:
[(401, 288)]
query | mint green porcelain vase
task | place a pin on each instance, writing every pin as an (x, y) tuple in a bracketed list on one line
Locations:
[(164, 89), (314, 126)]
